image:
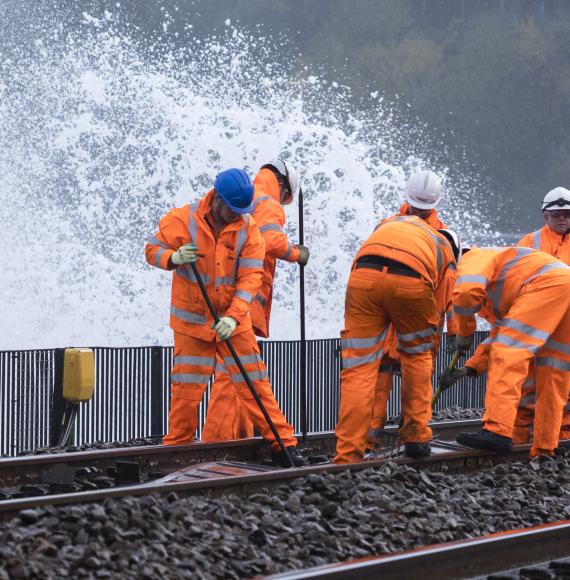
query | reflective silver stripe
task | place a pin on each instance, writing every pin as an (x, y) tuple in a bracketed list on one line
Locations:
[(466, 311), (188, 273), (154, 241), (547, 268), (246, 360), (413, 335), (289, 251), (415, 349), (536, 237), (250, 263), (356, 361), (253, 376), (529, 382), (496, 295), (189, 378), (271, 228), (525, 328), (159, 255), (472, 279), (258, 200), (489, 340), (187, 316), (195, 360), (363, 342), (514, 343), (192, 223), (528, 400), (261, 300), (225, 281), (449, 315), (548, 361), (561, 346), (244, 295)]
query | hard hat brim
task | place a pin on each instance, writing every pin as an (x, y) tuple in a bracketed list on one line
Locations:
[(240, 210), (419, 204)]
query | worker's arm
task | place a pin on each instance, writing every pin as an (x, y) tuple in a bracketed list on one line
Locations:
[(270, 218), (249, 273), (172, 234)]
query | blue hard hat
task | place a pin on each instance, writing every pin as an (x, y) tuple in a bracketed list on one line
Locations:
[(236, 189)]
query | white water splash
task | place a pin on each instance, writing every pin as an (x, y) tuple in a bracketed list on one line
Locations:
[(102, 135)]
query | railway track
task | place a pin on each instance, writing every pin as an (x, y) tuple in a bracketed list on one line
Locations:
[(218, 477), (538, 551)]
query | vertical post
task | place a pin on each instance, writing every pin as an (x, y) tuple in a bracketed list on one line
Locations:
[(156, 392), (303, 361), (58, 402)]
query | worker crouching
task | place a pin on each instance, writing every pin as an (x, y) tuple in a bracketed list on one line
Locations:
[(218, 230), (396, 278)]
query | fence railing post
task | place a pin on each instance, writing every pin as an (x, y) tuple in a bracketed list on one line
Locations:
[(58, 402), (156, 392)]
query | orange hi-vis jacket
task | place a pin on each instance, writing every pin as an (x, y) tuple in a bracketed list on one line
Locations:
[(270, 217), (231, 269), (550, 242), (490, 279), (420, 247), (432, 219)]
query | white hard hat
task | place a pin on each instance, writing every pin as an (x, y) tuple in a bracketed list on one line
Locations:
[(455, 243), (424, 190), (287, 171), (557, 198)]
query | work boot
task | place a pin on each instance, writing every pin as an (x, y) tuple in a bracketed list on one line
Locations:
[(486, 440), (417, 450), (280, 458)]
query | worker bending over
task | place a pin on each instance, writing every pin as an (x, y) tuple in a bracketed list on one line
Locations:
[(396, 278), (423, 194), (218, 230), (525, 294), (275, 186)]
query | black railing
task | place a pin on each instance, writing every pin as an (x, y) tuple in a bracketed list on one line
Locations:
[(132, 392)]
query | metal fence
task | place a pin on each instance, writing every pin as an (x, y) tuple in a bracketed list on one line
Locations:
[(132, 392)]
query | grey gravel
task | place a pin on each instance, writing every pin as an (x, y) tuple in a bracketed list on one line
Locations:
[(318, 519)]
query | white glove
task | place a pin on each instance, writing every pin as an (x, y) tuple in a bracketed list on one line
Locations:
[(225, 327), (187, 254)]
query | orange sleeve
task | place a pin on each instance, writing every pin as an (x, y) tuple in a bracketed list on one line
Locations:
[(468, 297), (172, 233), (249, 273), (270, 218), (480, 359), (526, 241)]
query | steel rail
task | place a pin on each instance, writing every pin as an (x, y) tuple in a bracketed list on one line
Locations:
[(28, 468), (450, 461), (489, 554)]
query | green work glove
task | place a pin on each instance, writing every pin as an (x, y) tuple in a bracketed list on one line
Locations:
[(464, 343), (225, 327), (187, 254), (303, 255)]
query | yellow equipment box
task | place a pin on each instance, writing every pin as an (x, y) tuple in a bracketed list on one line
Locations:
[(78, 374)]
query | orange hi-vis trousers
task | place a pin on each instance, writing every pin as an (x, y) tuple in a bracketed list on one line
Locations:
[(194, 363), (226, 419), (374, 299), (382, 390), (536, 327)]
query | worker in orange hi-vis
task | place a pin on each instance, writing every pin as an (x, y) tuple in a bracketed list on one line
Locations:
[(423, 194), (218, 235), (275, 186), (553, 239), (525, 294), (396, 278)]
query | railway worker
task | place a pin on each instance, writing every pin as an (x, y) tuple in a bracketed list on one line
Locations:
[(552, 239), (525, 294), (275, 186), (219, 230), (397, 277), (423, 194)]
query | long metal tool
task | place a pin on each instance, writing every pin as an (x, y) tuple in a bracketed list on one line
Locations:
[(442, 386), (242, 370), (303, 361)]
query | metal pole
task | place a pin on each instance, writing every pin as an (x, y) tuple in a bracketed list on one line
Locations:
[(303, 361), (239, 364)]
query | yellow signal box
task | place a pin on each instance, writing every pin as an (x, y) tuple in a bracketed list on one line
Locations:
[(78, 374)]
